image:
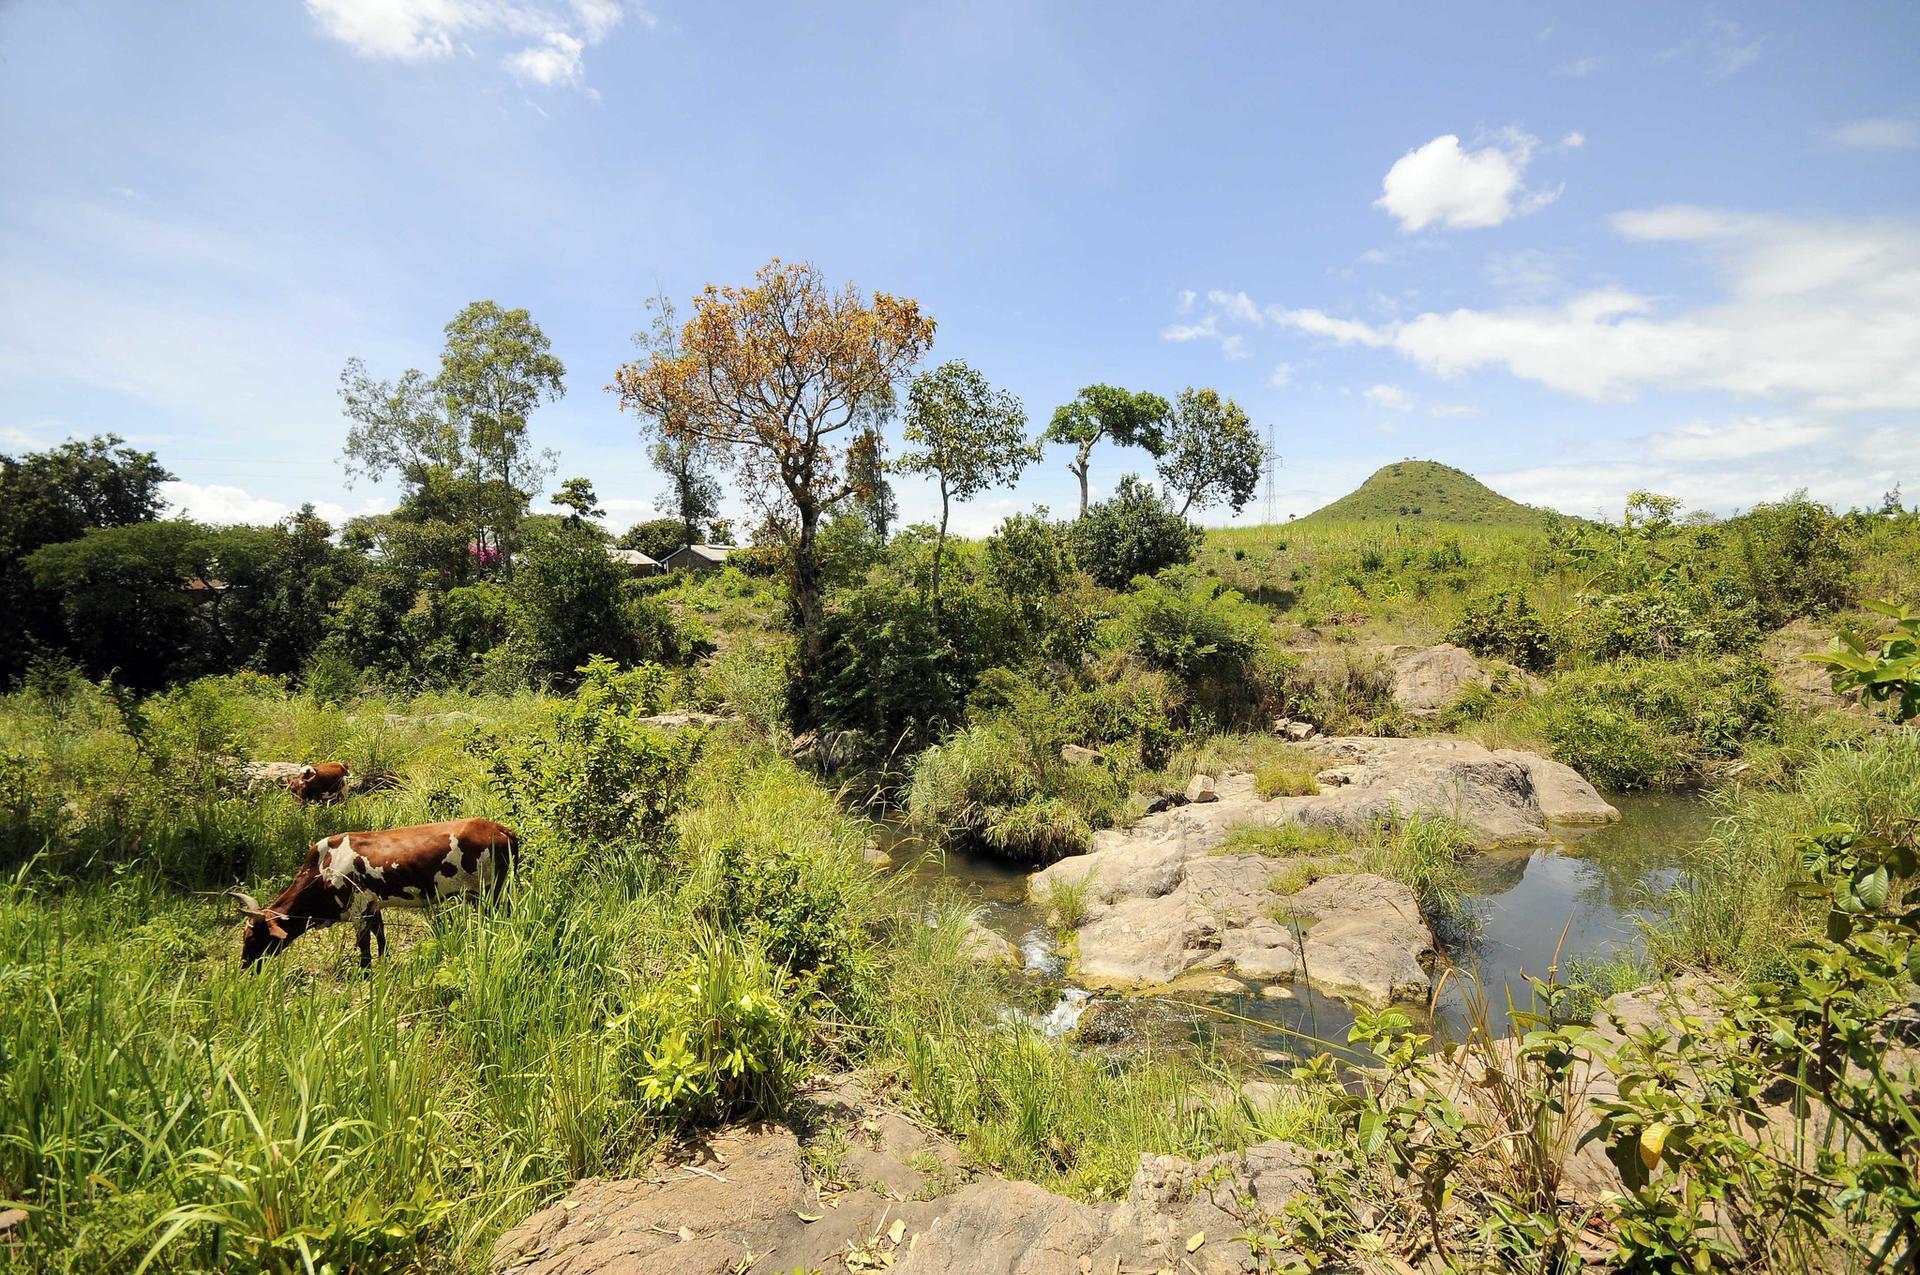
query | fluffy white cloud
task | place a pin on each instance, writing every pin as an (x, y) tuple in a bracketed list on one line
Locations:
[(1881, 134), (1235, 347), (1825, 315), (1444, 183), (1454, 411), (1747, 436), (425, 30), (214, 503), (1390, 397), (556, 61), (1580, 68), (1281, 376)]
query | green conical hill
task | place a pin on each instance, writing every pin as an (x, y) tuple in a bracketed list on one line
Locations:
[(1427, 491)]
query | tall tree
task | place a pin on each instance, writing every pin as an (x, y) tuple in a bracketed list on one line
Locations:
[(1213, 455), (968, 435), (872, 493), (461, 433), (779, 375), (54, 496), (1104, 411), (692, 497), (578, 496)]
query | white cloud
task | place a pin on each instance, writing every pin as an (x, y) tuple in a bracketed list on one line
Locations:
[(1748, 436), (1573, 141), (217, 504), (1235, 347), (1390, 397), (1454, 411), (1206, 329), (428, 30), (1319, 323), (1884, 133), (1823, 315), (1855, 474), (1281, 376), (1462, 189), (1237, 306), (557, 61), (1580, 68), (1187, 297)]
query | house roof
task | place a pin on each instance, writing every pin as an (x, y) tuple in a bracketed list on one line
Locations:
[(708, 553), (631, 557)]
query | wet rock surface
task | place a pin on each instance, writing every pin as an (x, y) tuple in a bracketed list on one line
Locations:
[(866, 1187)]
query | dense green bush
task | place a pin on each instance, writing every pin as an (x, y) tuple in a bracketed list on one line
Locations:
[(1656, 723), (598, 775), (1506, 626), (1131, 533), (1002, 784), (1206, 635), (896, 674)]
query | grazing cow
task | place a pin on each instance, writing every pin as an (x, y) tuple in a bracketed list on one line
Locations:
[(353, 875), (321, 781)]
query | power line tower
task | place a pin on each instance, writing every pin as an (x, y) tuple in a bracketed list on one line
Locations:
[(1272, 463)]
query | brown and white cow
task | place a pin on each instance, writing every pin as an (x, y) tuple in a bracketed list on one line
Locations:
[(319, 781), (353, 875)]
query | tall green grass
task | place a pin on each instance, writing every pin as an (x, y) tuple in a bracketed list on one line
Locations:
[(1740, 907)]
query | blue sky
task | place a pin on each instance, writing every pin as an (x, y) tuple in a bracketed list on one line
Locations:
[(1572, 249)]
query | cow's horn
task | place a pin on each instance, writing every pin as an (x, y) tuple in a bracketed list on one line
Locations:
[(248, 903)]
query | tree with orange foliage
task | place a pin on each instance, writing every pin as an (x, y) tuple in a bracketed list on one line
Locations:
[(786, 379)]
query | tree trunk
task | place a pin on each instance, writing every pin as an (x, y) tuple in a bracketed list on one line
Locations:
[(1079, 469), (940, 548), (807, 612)]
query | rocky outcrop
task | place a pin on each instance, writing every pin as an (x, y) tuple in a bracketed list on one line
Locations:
[(1163, 903), (1502, 798), (1428, 679), (893, 1194)]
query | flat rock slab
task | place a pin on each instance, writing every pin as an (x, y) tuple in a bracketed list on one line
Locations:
[(744, 1203)]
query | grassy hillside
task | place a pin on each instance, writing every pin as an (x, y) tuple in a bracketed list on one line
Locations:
[(1427, 491)]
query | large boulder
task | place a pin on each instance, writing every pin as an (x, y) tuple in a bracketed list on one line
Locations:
[(1428, 679)]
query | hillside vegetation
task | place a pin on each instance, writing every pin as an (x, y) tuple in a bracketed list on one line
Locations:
[(1427, 491)]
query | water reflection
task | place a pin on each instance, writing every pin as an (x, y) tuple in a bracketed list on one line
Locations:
[(1586, 897)]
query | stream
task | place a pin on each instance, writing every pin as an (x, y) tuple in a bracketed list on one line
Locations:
[(1597, 886)]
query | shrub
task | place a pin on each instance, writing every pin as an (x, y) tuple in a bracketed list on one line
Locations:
[(1203, 633), (1505, 625), (1000, 784), (1038, 830), (1131, 534), (713, 1040), (598, 776), (1656, 723)]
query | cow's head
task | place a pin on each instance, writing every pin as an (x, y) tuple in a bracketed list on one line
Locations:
[(266, 931), (299, 783)]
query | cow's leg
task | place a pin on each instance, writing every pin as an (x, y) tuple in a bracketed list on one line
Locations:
[(369, 926)]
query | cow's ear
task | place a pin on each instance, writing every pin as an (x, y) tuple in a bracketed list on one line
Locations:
[(275, 928)]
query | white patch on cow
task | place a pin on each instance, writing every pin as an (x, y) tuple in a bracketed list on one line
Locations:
[(336, 861)]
